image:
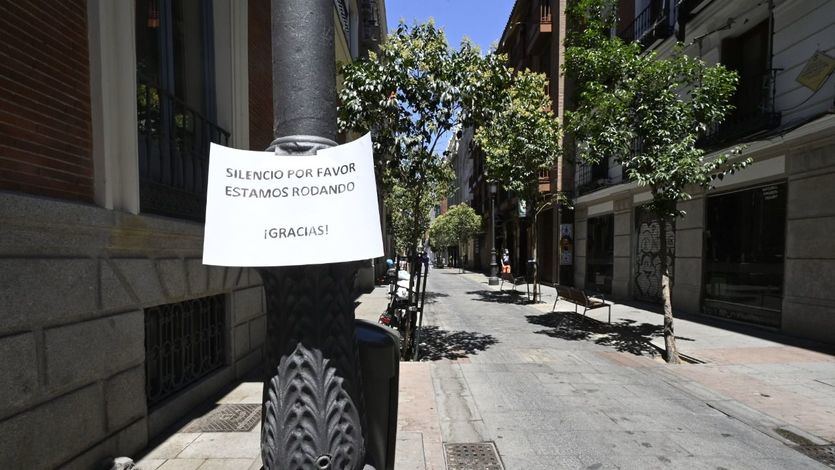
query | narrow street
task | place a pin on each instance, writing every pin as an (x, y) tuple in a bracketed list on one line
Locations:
[(549, 399)]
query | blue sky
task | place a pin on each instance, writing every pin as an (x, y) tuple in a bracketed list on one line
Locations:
[(481, 20)]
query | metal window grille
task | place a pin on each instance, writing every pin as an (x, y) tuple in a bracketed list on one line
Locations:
[(184, 342), (173, 154)]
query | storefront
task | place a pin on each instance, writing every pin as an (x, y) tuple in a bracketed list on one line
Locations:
[(745, 237)]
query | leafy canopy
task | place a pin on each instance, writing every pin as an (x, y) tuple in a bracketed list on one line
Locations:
[(523, 137), (457, 225), (644, 110), (410, 94)]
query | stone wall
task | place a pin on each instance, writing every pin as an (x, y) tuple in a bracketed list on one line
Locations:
[(687, 287), (74, 280), (809, 297), (623, 251), (580, 234)]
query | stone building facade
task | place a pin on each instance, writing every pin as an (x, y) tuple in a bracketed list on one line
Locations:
[(111, 328), (758, 248)]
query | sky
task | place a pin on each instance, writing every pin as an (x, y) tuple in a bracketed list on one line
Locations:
[(481, 20)]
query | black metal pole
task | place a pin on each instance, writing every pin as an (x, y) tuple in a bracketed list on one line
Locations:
[(494, 280), (313, 411)]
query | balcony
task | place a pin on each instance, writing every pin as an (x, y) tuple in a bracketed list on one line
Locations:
[(544, 181), (754, 114), (173, 154), (654, 23), (539, 24)]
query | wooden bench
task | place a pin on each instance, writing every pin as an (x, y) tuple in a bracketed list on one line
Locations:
[(579, 297)]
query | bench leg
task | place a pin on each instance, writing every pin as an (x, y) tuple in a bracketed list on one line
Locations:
[(554, 308), (610, 314), (501, 285)]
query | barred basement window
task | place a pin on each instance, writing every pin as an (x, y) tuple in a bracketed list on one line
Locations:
[(184, 342)]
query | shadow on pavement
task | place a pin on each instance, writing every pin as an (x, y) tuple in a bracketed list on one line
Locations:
[(437, 344), (432, 297), (501, 297), (625, 335)]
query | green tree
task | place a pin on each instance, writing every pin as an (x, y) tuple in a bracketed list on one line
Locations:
[(521, 141), (410, 215), (441, 235), (411, 95), (456, 226), (646, 112)]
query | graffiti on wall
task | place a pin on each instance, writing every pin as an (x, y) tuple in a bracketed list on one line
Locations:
[(648, 255)]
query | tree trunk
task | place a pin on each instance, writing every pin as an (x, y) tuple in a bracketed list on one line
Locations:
[(669, 333), (460, 257)]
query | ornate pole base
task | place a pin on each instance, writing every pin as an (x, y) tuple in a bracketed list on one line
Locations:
[(312, 405)]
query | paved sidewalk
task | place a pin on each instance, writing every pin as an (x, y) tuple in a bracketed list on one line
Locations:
[(552, 390), (418, 435), (788, 380)]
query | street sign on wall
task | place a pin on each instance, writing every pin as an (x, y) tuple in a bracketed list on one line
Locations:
[(268, 210)]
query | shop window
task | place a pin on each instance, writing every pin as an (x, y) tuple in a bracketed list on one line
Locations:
[(744, 253), (600, 242)]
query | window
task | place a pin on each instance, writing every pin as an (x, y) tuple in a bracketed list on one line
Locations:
[(748, 55), (753, 101), (600, 241), (175, 105), (744, 247), (184, 342)]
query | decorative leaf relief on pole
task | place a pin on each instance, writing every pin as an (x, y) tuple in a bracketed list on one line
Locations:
[(313, 402)]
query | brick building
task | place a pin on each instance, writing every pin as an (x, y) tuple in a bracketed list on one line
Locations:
[(532, 39), (111, 328)]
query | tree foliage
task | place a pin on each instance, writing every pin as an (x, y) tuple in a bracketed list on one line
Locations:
[(520, 142), (647, 112), (410, 215), (457, 225), (522, 138), (454, 227), (410, 95)]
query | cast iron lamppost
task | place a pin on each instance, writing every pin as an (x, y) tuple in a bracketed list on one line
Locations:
[(313, 411), (494, 280)]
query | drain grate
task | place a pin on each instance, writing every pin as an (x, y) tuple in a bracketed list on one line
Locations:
[(227, 418), (472, 456), (823, 454)]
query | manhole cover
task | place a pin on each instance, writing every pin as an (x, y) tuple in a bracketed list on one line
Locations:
[(227, 418), (823, 454), (472, 456)]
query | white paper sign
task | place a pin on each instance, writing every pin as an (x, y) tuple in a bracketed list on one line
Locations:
[(268, 210)]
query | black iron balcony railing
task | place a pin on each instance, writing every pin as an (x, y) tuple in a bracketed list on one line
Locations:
[(755, 112), (651, 24), (173, 154), (592, 177)]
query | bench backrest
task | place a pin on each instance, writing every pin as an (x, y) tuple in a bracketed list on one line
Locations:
[(572, 294)]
